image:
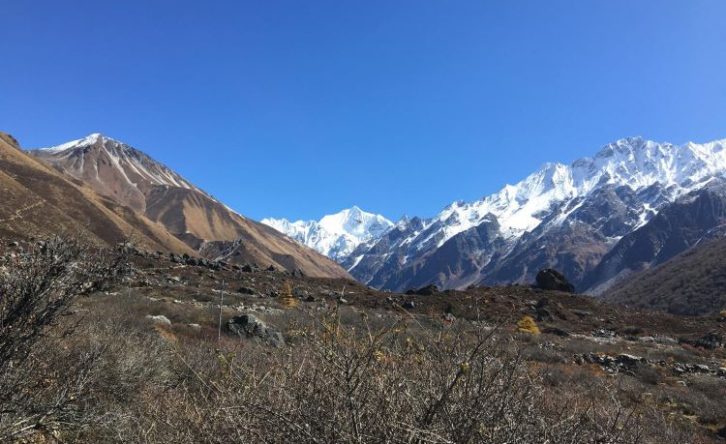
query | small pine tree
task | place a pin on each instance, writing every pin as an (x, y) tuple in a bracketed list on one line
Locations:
[(287, 299), (528, 325)]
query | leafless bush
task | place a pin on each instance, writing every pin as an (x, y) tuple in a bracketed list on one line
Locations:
[(344, 378), (34, 288), (375, 386)]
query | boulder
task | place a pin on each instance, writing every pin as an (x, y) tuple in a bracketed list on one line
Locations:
[(408, 305), (550, 279), (251, 327), (159, 319), (300, 293)]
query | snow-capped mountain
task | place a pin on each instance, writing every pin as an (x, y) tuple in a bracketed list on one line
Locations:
[(114, 168), (144, 189), (563, 216), (634, 162), (335, 235)]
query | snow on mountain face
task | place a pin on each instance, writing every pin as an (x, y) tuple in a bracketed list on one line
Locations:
[(564, 216), (631, 162), (133, 165), (335, 235)]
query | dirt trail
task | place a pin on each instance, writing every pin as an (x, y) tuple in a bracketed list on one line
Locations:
[(19, 212)]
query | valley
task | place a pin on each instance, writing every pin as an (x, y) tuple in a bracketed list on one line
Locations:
[(188, 350), (386, 222), (206, 303)]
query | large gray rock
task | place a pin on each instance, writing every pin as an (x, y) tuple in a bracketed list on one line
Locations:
[(251, 327), (550, 279), (159, 319)]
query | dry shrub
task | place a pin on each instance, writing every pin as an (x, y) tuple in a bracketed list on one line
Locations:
[(35, 288), (338, 386), (528, 325), (117, 379)]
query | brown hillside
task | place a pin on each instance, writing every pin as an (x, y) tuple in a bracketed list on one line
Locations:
[(133, 180), (692, 283), (38, 201)]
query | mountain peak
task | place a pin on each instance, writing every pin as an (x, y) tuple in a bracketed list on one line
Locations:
[(89, 140), (169, 210), (335, 235), (115, 168)]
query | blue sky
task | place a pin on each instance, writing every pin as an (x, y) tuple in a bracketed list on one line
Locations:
[(301, 108)]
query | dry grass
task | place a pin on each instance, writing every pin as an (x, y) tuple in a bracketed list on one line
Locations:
[(394, 383), (348, 374)]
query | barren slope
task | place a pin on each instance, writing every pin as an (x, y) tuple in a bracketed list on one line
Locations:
[(37, 201), (133, 179)]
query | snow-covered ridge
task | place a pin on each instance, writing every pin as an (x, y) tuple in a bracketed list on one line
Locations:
[(125, 158), (88, 140), (551, 193), (632, 162), (335, 235)]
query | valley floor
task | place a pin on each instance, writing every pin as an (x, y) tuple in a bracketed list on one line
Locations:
[(295, 359)]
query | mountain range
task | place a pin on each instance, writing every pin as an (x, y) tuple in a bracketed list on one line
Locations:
[(109, 192), (590, 219), (615, 223)]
